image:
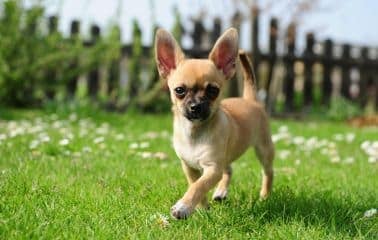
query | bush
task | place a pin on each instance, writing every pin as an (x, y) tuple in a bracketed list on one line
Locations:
[(34, 63), (341, 109)]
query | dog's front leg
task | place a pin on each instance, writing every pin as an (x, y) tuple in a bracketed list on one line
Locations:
[(196, 192), (192, 176)]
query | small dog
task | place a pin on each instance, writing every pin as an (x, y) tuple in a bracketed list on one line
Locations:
[(210, 133)]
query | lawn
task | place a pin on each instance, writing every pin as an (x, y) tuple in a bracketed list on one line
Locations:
[(91, 174)]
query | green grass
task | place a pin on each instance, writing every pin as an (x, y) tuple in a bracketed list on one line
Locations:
[(100, 186)]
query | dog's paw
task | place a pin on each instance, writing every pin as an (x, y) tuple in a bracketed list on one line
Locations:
[(180, 210), (263, 195), (220, 195)]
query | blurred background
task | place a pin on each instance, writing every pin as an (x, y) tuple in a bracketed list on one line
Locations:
[(309, 56)]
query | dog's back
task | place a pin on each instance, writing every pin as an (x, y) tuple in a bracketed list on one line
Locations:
[(245, 111)]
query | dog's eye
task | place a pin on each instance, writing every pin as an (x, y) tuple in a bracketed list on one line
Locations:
[(180, 91), (212, 91)]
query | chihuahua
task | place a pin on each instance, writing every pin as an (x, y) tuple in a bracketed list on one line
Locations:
[(210, 133)]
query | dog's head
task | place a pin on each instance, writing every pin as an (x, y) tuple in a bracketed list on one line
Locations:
[(196, 84)]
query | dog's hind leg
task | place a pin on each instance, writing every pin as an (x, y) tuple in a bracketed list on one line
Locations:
[(222, 189), (265, 154)]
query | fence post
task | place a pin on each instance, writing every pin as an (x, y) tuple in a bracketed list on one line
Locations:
[(51, 74), (374, 84), (217, 28), (308, 64), (197, 36), (345, 79), (327, 71), (289, 65), (114, 68), (233, 85), (273, 33), (364, 76), (72, 82), (255, 38), (94, 74)]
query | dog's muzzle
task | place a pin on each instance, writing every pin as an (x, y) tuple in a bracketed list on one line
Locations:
[(198, 110)]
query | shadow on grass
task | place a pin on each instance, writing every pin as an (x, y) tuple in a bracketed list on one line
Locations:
[(322, 210)]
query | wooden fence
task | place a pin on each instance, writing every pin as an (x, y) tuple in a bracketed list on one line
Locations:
[(310, 76)]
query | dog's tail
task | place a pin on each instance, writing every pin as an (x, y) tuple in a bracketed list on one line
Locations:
[(249, 88)]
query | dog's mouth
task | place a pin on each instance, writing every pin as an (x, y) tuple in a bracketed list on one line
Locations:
[(200, 114), (197, 117)]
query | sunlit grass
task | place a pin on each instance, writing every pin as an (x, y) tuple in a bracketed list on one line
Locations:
[(87, 174)]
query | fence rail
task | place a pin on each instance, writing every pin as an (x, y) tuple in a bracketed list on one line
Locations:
[(357, 75), (311, 76)]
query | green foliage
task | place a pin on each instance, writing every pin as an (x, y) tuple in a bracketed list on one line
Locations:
[(134, 81), (34, 64), (341, 109), (177, 30)]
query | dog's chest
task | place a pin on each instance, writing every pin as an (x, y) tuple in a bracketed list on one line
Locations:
[(193, 153)]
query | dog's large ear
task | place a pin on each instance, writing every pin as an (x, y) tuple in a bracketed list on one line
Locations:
[(168, 54), (225, 52)]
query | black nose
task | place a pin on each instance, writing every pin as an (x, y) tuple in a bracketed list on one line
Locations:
[(195, 107)]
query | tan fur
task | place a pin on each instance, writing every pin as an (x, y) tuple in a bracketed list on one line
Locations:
[(207, 148)]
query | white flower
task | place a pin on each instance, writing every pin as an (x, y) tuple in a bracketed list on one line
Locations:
[(283, 128), (335, 159), (69, 135), (370, 213), (349, 160), (45, 138), (144, 144), (165, 134), (311, 143), (350, 137), (280, 136), (371, 151), (34, 144), (275, 138), (298, 140), (16, 131), (160, 220), (365, 144), (120, 137), (322, 143), (338, 137), (161, 155), (151, 135), (146, 154), (283, 154), (72, 117), (98, 140), (87, 149), (333, 152), (3, 137), (332, 145), (102, 130), (372, 159), (35, 129), (83, 132), (324, 151), (57, 124), (134, 145), (64, 142)]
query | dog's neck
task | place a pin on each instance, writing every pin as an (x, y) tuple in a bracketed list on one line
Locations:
[(193, 129)]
